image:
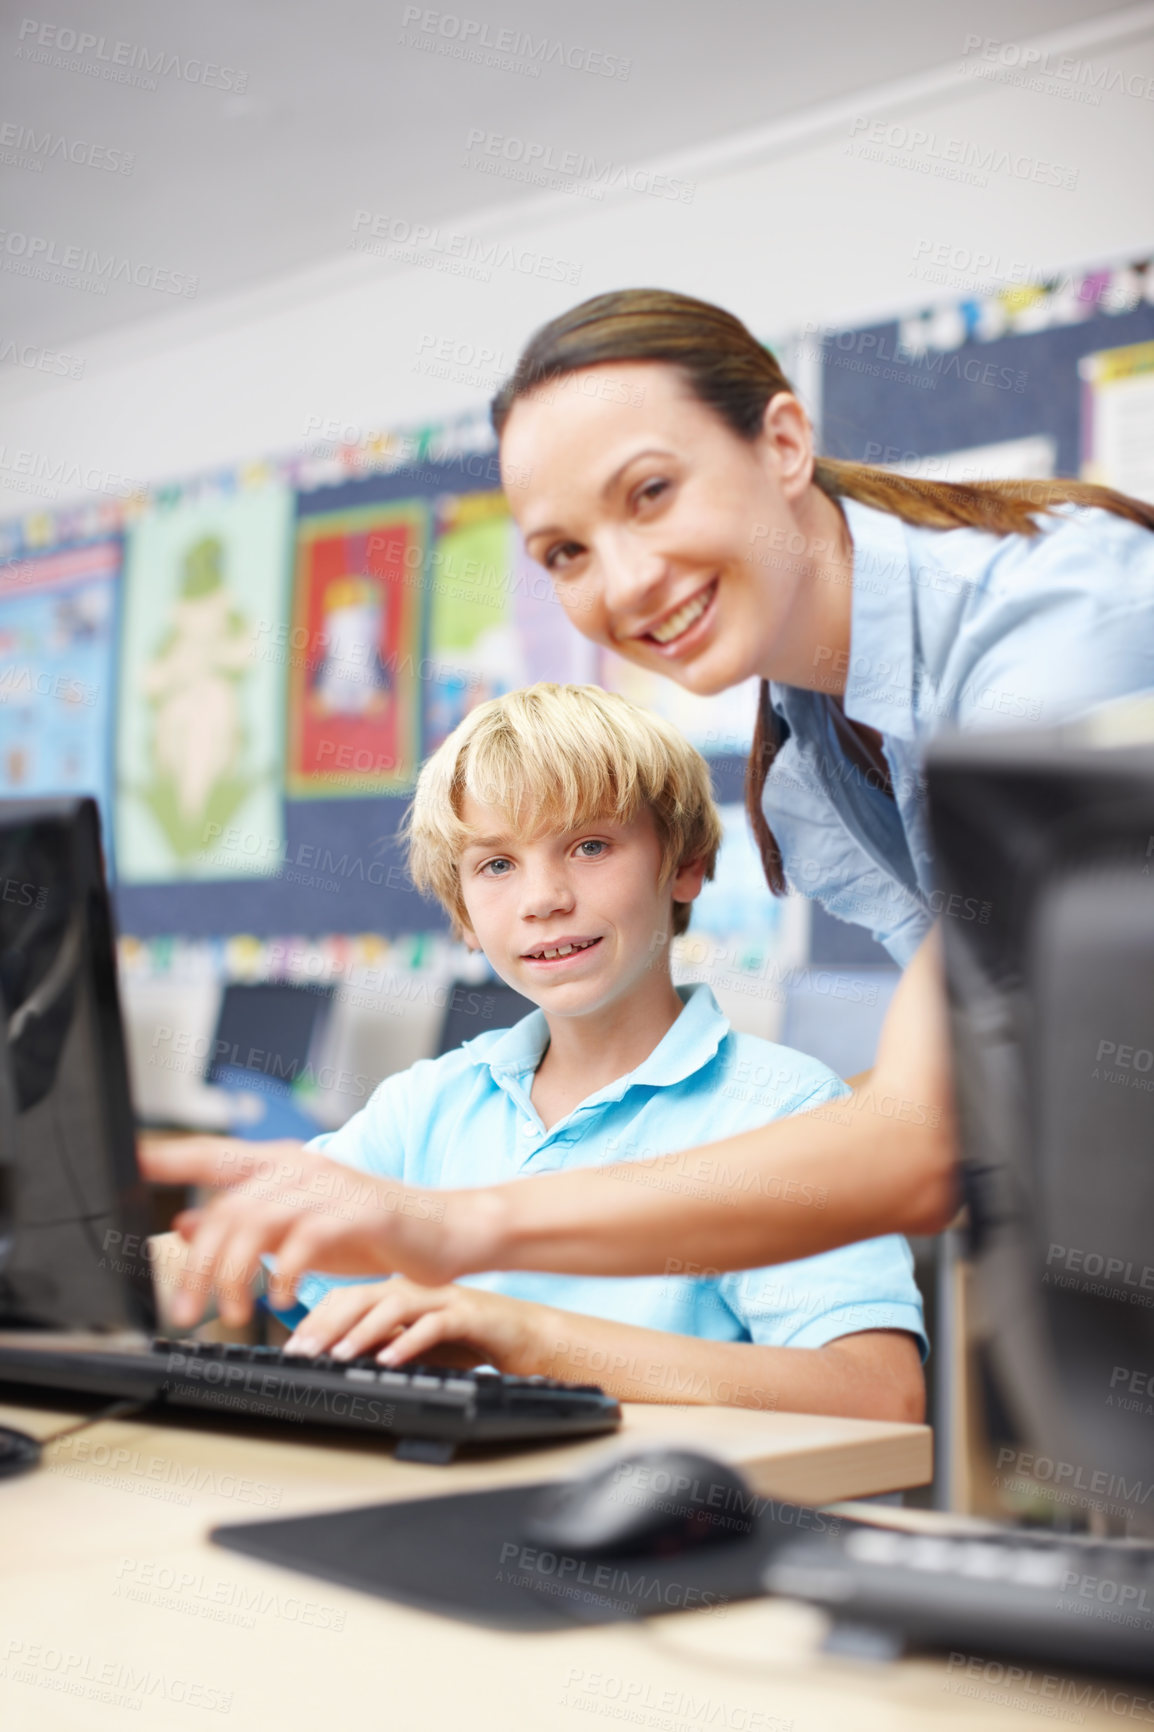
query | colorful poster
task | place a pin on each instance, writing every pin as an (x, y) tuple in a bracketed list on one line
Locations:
[(494, 621), (200, 746), (354, 710), (1118, 419), (57, 642)]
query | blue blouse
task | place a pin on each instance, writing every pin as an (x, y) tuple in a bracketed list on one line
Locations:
[(950, 629)]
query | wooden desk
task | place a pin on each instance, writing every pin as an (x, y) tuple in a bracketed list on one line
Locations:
[(110, 1596)]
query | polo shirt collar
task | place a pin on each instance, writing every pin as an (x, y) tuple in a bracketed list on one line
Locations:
[(879, 688), (684, 1048)]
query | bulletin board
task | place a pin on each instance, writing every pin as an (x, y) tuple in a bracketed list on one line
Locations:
[(317, 625), (971, 375), (354, 697)]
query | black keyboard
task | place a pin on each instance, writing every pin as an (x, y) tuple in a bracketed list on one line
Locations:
[(1043, 1596), (428, 1410)]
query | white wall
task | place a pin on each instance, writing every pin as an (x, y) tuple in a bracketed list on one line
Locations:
[(785, 227)]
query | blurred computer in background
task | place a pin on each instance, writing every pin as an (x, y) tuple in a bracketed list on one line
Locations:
[(266, 1056)]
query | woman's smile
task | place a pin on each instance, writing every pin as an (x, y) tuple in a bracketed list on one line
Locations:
[(675, 632)]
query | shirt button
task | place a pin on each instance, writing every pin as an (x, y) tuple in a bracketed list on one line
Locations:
[(528, 1130)]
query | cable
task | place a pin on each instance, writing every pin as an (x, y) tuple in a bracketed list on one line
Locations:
[(117, 1410)]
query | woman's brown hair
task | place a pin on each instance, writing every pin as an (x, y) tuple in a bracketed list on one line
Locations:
[(734, 375)]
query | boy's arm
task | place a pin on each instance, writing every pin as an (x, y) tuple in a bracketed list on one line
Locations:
[(874, 1374)]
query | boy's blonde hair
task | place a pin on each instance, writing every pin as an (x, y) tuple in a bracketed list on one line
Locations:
[(562, 756)]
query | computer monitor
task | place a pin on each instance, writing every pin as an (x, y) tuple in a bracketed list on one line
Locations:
[(270, 1028), (74, 1206), (472, 1009), (1044, 843)]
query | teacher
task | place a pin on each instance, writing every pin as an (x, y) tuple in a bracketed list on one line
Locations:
[(662, 471)]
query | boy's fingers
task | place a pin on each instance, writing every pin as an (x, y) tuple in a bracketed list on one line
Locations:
[(374, 1329), (389, 1305), (427, 1332), (331, 1320)]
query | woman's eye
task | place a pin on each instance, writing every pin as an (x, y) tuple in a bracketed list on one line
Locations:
[(561, 556), (651, 490)]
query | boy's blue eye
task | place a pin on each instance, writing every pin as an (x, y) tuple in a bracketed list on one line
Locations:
[(600, 847), (491, 865)]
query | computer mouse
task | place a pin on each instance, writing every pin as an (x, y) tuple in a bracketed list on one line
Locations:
[(655, 1502), (18, 1451)]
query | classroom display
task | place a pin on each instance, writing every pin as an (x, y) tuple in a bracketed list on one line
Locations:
[(494, 622), (1118, 418), (249, 698), (57, 645), (200, 728), (354, 651)]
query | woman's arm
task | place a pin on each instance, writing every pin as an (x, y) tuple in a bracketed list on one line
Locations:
[(880, 1160)]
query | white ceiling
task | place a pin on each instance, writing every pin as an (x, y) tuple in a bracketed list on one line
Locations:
[(339, 114)]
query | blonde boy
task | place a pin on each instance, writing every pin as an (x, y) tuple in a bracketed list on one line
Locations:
[(567, 833)]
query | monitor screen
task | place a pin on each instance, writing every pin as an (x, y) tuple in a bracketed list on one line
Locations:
[(272, 1028), (74, 1207)]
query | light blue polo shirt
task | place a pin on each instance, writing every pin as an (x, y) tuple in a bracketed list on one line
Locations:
[(466, 1119), (950, 629)]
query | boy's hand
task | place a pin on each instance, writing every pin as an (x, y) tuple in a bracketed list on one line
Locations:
[(310, 1212), (408, 1321)]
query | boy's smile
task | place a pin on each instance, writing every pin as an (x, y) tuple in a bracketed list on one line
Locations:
[(563, 950)]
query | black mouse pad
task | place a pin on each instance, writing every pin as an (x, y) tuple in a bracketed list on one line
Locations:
[(465, 1557)]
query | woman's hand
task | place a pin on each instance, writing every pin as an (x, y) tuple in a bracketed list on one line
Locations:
[(283, 1200), (407, 1321)]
